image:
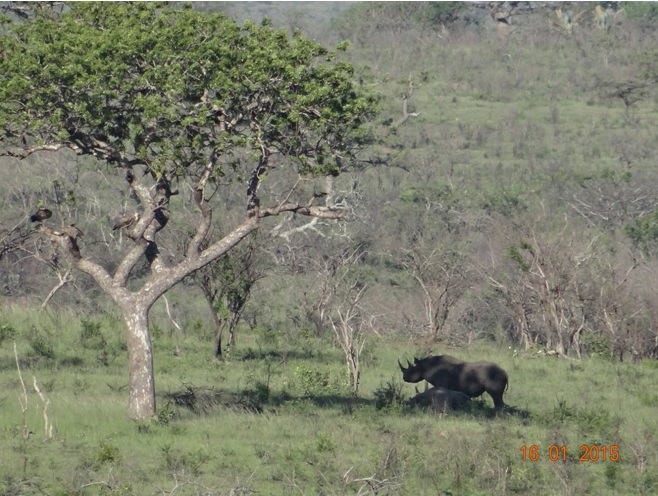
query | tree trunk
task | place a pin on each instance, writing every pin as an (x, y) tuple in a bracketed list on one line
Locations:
[(353, 367), (141, 386), (219, 323), (235, 318), (219, 329)]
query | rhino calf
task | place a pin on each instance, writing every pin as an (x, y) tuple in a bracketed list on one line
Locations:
[(470, 378), (440, 399)]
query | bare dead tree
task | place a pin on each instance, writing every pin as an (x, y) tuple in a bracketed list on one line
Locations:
[(46, 254), (349, 325), (443, 274), (546, 282), (502, 13), (620, 311), (22, 400), (326, 291), (615, 197), (405, 104), (11, 239), (47, 420)]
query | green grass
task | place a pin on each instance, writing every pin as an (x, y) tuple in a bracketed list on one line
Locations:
[(278, 425)]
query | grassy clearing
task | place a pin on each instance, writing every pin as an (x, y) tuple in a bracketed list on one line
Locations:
[(278, 418)]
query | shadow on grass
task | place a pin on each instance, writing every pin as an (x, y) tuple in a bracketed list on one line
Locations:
[(298, 354), (39, 362), (204, 400), (512, 411), (477, 409)]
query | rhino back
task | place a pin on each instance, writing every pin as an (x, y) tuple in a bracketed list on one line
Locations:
[(493, 376)]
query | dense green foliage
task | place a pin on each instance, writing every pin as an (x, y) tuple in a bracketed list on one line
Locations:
[(165, 87), (643, 11)]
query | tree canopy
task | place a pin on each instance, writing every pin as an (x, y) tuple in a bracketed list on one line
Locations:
[(145, 83)]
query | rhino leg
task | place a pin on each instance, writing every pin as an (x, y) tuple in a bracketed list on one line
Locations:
[(497, 397)]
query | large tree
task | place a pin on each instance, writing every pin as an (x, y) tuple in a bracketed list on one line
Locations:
[(180, 103)]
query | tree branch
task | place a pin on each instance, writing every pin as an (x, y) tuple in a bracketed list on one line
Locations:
[(142, 232), (159, 283), (70, 248), (206, 211), (63, 280), (26, 152), (309, 210)]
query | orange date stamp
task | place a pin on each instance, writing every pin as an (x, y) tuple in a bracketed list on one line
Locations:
[(588, 453)]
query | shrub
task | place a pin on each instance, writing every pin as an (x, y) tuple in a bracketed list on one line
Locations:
[(324, 442), (313, 382), (91, 337), (40, 342), (6, 332), (389, 395), (590, 422), (107, 453)]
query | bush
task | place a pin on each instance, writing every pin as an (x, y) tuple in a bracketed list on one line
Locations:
[(389, 395), (324, 442), (106, 453), (91, 337), (590, 422), (40, 342), (6, 332), (313, 382), (646, 11)]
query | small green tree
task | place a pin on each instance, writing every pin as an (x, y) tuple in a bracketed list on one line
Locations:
[(181, 105), (643, 232), (226, 284)]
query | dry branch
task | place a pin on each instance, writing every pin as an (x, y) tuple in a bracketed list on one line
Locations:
[(22, 400), (48, 425)]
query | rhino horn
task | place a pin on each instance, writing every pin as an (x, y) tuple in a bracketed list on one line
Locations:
[(401, 366), (415, 360)]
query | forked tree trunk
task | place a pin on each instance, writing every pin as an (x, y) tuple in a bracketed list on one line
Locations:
[(141, 386)]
